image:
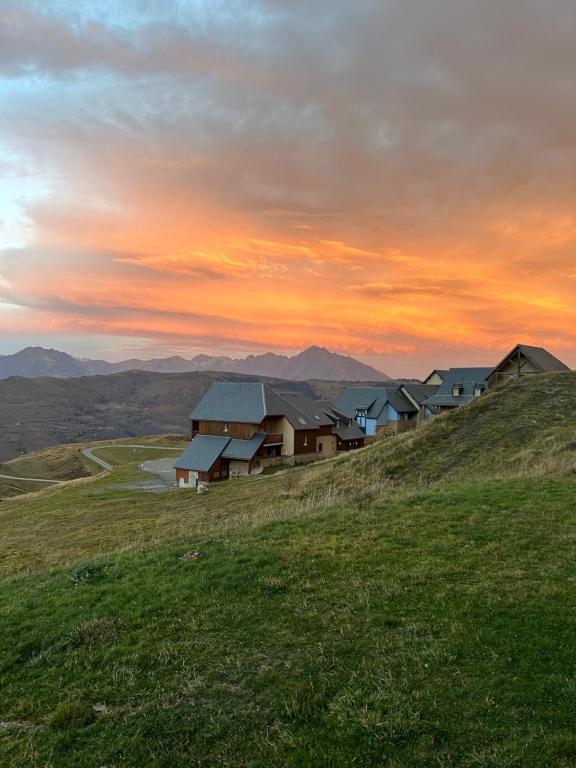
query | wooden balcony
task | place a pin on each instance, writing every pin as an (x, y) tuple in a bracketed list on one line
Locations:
[(274, 439)]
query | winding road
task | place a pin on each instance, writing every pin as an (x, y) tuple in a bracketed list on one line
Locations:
[(30, 479), (89, 454)]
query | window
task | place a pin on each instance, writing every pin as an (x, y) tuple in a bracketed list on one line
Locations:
[(306, 442), (319, 447), (457, 390), (478, 390), (225, 428)]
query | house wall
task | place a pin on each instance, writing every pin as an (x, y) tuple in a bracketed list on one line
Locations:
[(329, 445), (235, 429), (239, 468), (289, 434), (304, 441), (186, 475), (370, 426), (434, 378), (349, 445), (509, 370)]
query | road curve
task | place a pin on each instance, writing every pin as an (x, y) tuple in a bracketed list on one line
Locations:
[(88, 452), (30, 479)]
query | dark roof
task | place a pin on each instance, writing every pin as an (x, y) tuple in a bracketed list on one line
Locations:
[(418, 393), (374, 399), (352, 432), (442, 372), (538, 356), (243, 450), (467, 378), (205, 449), (314, 411), (323, 413), (202, 453), (249, 403), (230, 401)]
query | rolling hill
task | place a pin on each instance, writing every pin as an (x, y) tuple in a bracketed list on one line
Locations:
[(312, 363), (40, 412), (407, 605)]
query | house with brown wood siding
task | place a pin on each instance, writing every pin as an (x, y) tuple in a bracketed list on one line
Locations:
[(239, 428)]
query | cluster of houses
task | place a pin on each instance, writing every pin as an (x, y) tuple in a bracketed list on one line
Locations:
[(240, 428)]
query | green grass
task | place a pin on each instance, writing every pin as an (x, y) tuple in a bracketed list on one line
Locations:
[(399, 625), (119, 456), (437, 629)]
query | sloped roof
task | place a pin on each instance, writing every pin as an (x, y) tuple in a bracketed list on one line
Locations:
[(441, 372), (467, 378), (538, 356), (202, 452), (418, 393), (322, 413), (374, 400), (232, 401), (248, 403), (243, 450), (352, 432)]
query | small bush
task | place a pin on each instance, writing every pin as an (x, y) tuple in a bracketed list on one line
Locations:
[(94, 633), (72, 715), (86, 574)]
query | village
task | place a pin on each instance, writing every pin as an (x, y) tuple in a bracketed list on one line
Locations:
[(240, 429)]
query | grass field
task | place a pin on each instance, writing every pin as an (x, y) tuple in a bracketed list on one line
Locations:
[(119, 456), (66, 462), (421, 624)]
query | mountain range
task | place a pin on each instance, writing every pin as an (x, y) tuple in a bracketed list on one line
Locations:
[(312, 363)]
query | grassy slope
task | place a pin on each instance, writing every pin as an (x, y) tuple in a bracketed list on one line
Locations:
[(432, 627), (66, 462), (529, 428)]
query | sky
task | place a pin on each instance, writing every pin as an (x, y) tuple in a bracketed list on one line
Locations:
[(391, 179)]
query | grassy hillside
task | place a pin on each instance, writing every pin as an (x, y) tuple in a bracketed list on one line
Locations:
[(526, 428), (431, 625), (66, 462)]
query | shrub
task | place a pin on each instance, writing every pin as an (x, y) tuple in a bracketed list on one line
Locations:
[(85, 574)]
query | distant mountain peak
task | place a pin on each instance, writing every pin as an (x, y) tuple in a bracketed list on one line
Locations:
[(314, 362)]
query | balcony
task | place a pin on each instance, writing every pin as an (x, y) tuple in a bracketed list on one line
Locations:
[(274, 439)]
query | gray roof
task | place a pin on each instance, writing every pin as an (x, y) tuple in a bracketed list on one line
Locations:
[(249, 403), (352, 432), (374, 399), (202, 453), (243, 450), (205, 449), (540, 357), (418, 393), (322, 413), (230, 401), (467, 378)]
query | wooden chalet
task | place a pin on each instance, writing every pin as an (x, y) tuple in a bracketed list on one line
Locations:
[(524, 360), (239, 428)]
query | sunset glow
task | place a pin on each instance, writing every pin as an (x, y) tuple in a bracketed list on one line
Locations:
[(392, 180)]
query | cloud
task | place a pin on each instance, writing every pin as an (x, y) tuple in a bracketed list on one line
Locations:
[(377, 175)]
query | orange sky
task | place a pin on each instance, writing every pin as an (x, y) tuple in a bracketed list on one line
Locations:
[(390, 180)]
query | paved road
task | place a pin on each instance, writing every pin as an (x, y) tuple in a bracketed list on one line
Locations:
[(162, 468), (89, 453), (165, 472), (30, 479)]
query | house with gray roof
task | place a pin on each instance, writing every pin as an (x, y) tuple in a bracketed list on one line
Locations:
[(525, 360), (239, 428), (379, 409), (460, 386)]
